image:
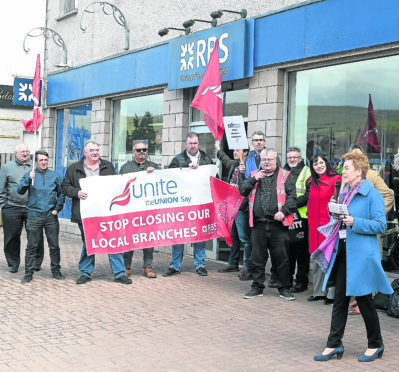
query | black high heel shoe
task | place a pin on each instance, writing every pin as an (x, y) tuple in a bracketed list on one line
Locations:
[(338, 351), (378, 353)]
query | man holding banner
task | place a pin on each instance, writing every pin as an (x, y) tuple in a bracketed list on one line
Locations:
[(139, 164), (192, 158), (90, 165)]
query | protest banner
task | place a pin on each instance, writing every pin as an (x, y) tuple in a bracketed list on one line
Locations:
[(141, 210), (235, 132)]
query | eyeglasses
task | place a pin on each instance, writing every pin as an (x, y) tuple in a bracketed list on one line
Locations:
[(141, 150), (257, 140), (293, 157), (268, 160)]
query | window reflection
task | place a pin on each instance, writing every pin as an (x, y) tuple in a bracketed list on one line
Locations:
[(328, 109), (138, 118)]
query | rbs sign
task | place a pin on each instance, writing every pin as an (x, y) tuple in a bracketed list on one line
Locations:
[(189, 55)]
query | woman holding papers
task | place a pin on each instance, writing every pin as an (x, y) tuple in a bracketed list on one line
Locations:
[(355, 266), (320, 189)]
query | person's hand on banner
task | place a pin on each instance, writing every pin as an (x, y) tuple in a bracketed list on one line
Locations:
[(82, 195), (150, 169), (279, 216), (193, 165)]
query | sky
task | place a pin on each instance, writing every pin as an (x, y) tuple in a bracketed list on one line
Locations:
[(17, 18)]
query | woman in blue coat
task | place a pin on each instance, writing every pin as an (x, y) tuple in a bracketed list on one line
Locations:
[(355, 266)]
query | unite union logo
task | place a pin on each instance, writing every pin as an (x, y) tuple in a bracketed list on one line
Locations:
[(123, 198)]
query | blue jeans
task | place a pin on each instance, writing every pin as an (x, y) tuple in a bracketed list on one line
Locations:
[(177, 255), (240, 234), (86, 263)]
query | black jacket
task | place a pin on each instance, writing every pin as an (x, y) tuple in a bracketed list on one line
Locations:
[(289, 207), (302, 200), (182, 160), (132, 166), (70, 184), (232, 165)]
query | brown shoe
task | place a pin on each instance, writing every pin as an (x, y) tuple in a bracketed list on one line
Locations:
[(128, 272), (149, 273)]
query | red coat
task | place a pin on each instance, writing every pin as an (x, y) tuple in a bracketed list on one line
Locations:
[(317, 212)]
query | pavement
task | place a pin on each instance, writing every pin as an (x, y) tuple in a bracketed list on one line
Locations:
[(181, 323)]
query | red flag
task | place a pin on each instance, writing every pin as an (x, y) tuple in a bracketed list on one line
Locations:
[(209, 95), (34, 124), (369, 135), (227, 201)]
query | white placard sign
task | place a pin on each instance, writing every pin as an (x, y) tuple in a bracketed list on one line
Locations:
[(235, 132)]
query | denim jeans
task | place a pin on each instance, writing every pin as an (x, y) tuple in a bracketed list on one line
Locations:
[(34, 227), (87, 263), (177, 255), (13, 221), (148, 255), (240, 234)]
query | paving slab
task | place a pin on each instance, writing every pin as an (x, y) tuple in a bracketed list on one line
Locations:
[(181, 323)]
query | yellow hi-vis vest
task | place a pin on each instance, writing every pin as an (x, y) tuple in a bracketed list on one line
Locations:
[(301, 188)]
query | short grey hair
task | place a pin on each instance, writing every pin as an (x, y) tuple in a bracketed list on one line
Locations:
[(269, 151), (258, 133), (20, 144), (88, 142), (294, 149)]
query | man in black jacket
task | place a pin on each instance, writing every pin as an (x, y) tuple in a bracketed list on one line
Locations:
[(139, 164), (192, 158), (90, 165), (299, 255), (272, 200)]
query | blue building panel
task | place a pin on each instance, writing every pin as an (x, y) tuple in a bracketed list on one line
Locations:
[(280, 37)]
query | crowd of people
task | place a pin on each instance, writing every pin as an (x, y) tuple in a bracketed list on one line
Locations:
[(282, 215)]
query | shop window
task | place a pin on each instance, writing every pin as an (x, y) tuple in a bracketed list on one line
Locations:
[(328, 110), (73, 130), (137, 118)]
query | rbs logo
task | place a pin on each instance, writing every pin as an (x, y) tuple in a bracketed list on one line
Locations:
[(196, 54)]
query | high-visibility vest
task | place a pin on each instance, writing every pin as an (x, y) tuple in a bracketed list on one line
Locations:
[(301, 188), (281, 197)]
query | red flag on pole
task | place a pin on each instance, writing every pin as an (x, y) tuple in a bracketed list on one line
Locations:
[(227, 201), (209, 96), (34, 124), (369, 135)]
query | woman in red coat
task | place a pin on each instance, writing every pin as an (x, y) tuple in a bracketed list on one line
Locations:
[(320, 189)]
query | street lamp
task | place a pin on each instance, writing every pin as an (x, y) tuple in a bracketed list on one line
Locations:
[(190, 23), (165, 30), (218, 13), (48, 33), (108, 9)]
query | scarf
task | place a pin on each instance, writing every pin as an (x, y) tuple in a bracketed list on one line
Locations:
[(322, 255)]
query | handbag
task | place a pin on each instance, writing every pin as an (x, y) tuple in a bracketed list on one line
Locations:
[(296, 231)]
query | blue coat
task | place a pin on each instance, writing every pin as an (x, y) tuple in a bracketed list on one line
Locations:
[(45, 195), (364, 273)]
